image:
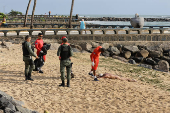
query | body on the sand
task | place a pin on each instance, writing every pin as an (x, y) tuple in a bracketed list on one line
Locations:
[(27, 57), (65, 52), (95, 60), (111, 76)]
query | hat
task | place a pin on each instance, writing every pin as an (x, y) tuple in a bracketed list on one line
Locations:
[(63, 37), (40, 34)]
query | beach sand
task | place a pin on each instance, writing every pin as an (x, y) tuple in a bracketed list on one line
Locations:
[(84, 95)]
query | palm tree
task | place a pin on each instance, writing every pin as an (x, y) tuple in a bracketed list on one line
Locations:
[(27, 13), (32, 17), (71, 13)]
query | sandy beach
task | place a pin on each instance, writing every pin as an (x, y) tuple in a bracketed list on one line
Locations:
[(148, 95)]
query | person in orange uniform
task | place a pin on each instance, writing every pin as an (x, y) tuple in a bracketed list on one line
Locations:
[(95, 60), (38, 45)]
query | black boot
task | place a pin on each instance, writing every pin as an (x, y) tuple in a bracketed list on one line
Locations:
[(62, 84), (68, 83), (29, 77), (26, 77)]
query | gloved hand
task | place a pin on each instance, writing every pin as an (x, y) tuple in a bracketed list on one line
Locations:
[(93, 63), (41, 52)]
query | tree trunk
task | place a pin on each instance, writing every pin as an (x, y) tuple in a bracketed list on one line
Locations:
[(27, 13), (71, 14), (32, 17)]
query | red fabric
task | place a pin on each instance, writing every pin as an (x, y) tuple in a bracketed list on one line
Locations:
[(38, 45), (63, 37), (65, 43), (95, 57)]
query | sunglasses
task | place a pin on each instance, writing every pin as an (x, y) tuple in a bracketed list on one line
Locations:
[(40, 36)]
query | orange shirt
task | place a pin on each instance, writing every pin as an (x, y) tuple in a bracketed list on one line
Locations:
[(96, 53)]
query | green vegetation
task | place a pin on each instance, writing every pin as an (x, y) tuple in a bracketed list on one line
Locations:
[(2, 15), (14, 13)]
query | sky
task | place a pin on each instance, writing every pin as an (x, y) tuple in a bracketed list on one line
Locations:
[(90, 7)]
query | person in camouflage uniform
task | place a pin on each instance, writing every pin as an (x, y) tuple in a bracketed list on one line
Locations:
[(27, 57), (65, 52)]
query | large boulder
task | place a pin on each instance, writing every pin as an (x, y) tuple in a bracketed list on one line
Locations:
[(138, 59), (166, 58), (155, 54), (165, 46), (150, 61), (9, 105), (141, 47), (154, 48), (127, 54), (86, 46), (54, 46), (91, 50), (113, 51), (106, 54), (163, 66), (76, 46), (4, 103), (131, 61), (8, 110), (105, 45), (11, 99), (95, 44), (145, 66), (155, 51), (23, 110), (120, 48), (142, 53), (132, 49)]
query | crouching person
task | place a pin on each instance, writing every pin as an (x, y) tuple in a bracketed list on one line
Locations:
[(27, 57), (65, 52)]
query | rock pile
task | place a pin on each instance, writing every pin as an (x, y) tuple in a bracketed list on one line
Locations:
[(9, 105), (152, 57)]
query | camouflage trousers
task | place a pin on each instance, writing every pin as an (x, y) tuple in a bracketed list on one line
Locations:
[(65, 64)]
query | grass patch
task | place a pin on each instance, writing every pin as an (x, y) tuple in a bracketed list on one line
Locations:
[(151, 81)]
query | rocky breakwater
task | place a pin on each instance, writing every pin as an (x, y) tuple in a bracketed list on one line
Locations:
[(127, 19), (148, 56), (9, 105)]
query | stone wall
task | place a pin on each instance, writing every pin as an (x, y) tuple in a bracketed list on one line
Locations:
[(124, 39)]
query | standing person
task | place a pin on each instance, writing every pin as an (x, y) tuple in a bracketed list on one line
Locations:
[(27, 53), (65, 52), (49, 13), (83, 25), (95, 60), (3, 21), (38, 45)]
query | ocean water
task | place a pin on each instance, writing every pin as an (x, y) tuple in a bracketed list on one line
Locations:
[(126, 16), (127, 22)]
